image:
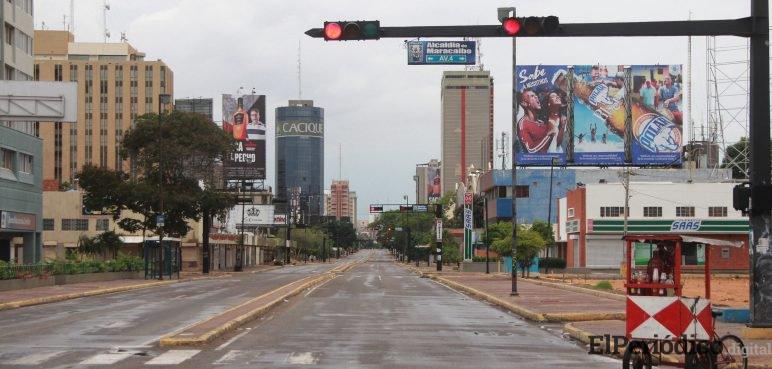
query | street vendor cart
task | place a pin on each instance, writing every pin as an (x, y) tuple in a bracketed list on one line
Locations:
[(660, 320)]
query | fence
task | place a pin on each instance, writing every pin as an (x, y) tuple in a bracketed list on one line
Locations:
[(22, 271)]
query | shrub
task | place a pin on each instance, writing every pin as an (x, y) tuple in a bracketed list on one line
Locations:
[(604, 285), (552, 263)]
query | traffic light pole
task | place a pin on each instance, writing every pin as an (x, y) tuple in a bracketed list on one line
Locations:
[(760, 220), (515, 106), (755, 27)]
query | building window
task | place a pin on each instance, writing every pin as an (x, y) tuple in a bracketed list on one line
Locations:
[(58, 151), (684, 211), (25, 163), (36, 72), (73, 72), (717, 211), (102, 224), (58, 72), (9, 35), (48, 224), (502, 191), (522, 192), (75, 224), (652, 211), (725, 253), (611, 211), (6, 159), (571, 212)]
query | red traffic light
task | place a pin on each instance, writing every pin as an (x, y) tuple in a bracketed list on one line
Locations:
[(332, 31), (511, 26)]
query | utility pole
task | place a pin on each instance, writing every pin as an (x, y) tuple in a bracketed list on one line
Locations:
[(553, 161)]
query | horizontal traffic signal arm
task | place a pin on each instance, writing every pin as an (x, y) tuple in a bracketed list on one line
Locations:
[(743, 27)]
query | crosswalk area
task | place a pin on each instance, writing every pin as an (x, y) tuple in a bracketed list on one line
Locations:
[(82, 358)]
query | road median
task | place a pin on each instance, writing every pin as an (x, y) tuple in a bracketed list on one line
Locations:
[(206, 330)]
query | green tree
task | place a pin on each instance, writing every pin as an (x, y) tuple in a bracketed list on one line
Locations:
[(529, 243), (175, 155)]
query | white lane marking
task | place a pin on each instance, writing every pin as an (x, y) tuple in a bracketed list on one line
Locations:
[(313, 289), (36, 358), (106, 359), (229, 357), (227, 343), (303, 358), (173, 357)]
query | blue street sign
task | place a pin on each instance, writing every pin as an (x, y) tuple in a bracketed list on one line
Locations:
[(441, 52), (159, 220)]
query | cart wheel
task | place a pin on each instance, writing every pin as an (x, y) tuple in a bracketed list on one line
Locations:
[(732, 353), (700, 358), (637, 356)]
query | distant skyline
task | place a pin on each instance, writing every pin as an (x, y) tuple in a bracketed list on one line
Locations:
[(385, 114)]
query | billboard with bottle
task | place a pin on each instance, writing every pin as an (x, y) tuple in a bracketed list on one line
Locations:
[(577, 114), (244, 117)]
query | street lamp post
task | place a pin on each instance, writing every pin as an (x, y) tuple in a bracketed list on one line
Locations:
[(160, 218), (553, 162)]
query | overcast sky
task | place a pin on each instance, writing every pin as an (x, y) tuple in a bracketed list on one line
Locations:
[(384, 114)]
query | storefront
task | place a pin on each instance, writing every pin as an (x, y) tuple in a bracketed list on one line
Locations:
[(19, 237), (602, 246)]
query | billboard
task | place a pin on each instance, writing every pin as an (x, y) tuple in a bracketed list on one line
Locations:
[(254, 215), (433, 182), (308, 129), (585, 124), (244, 118), (441, 52)]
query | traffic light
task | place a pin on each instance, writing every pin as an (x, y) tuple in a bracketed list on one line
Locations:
[(352, 30), (376, 208), (530, 26)]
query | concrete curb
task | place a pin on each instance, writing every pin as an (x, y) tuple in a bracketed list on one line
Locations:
[(519, 310), (525, 312), (171, 340), (70, 296), (57, 298), (562, 286)]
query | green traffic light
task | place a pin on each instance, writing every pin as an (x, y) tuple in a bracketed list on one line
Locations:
[(370, 30)]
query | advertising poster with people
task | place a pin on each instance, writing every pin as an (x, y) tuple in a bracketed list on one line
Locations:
[(433, 182), (542, 115), (657, 114), (599, 115), (244, 117), (596, 131)]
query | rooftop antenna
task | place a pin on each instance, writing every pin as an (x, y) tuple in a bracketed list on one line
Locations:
[(300, 90), (123, 37), (105, 8), (64, 21), (340, 161), (43, 25), (72, 17)]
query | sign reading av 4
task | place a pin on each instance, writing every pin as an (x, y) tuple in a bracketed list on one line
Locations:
[(441, 52)]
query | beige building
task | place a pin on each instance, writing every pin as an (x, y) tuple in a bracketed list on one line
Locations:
[(64, 223), (467, 124), (17, 32), (115, 86)]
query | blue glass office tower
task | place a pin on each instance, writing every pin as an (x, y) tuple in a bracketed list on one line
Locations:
[(300, 157)]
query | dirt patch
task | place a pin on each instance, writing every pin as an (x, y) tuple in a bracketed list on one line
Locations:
[(729, 291)]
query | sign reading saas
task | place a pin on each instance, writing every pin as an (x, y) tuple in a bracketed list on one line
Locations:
[(441, 52)]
